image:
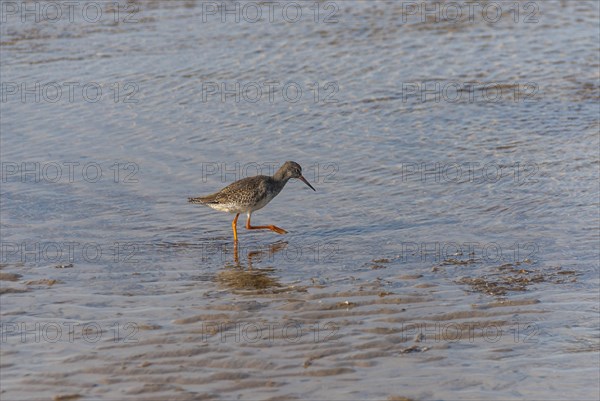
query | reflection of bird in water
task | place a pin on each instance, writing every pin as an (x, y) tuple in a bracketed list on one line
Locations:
[(239, 278), (252, 193), (258, 253), (273, 249)]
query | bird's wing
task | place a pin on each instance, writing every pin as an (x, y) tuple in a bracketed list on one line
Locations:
[(243, 191)]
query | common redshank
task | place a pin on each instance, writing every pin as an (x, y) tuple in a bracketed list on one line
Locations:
[(252, 193)]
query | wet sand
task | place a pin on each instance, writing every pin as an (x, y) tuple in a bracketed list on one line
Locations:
[(401, 278)]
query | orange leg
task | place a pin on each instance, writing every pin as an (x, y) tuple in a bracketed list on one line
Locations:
[(234, 226), (270, 227)]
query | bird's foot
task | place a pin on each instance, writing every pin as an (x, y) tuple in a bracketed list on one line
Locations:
[(278, 230)]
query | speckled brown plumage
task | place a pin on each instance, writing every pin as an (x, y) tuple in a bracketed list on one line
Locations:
[(243, 195), (251, 194)]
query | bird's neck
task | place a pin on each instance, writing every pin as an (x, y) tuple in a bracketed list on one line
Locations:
[(279, 180), (279, 176)]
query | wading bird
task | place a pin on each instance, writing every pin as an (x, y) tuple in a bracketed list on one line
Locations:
[(252, 193)]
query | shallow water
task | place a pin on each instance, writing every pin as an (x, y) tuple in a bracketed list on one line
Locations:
[(450, 251)]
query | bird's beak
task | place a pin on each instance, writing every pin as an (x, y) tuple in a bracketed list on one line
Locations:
[(307, 183)]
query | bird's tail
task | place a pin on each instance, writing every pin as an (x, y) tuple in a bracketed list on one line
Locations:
[(197, 200)]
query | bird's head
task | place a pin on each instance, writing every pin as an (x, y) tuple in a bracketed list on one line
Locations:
[(292, 169)]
